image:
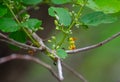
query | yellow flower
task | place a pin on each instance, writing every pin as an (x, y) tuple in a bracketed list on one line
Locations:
[(72, 47), (72, 43), (72, 39)]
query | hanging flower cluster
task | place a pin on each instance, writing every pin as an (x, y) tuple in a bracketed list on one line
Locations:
[(72, 45)]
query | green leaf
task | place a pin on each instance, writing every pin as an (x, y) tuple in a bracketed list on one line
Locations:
[(33, 24), (91, 4), (3, 10), (8, 25), (61, 14), (60, 1), (107, 6), (32, 2), (97, 18), (79, 2), (19, 36), (61, 53), (110, 6)]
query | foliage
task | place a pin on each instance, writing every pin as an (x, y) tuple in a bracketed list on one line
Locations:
[(65, 19), (31, 2), (33, 24), (108, 6), (61, 53), (60, 1), (60, 14), (96, 18), (20, 26), (18, 36), (3, 10), (8, 25)]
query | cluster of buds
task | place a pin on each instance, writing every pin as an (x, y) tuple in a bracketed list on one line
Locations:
[(72, 45)]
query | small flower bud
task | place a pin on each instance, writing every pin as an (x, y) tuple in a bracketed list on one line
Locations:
[(53, 37), (49, 41)]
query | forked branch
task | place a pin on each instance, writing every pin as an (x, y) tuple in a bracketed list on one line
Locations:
[(29, 58)]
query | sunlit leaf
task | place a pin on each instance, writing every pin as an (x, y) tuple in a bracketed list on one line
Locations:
[(91, 4), (61, 53), (31, 2), (107, 6), (80, 2), (97, 18), (110, 6), (60, 1), (33, 24), (8, 25), (61, 14)]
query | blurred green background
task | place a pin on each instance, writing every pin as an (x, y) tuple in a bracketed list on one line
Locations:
[(97, 65)]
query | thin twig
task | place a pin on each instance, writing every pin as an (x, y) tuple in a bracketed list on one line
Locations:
[(24, 10), (36, 37), (13, 42), (93, 46), (29, 58), (74, 72), (24, 46), (70, 51), (60, 73)]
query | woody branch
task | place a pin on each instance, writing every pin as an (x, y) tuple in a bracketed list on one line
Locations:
[(31, 58), (44, 47)]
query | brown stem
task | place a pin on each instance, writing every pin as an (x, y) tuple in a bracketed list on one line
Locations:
[(93, 46), (29, 58)]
